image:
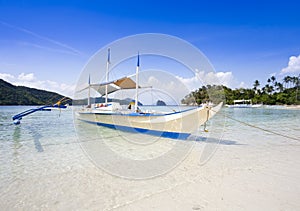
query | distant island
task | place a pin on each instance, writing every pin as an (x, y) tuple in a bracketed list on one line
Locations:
[(160, 103), (286, 92), (21, 95)]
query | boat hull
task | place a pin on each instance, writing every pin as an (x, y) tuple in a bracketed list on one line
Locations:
[(177, 125)]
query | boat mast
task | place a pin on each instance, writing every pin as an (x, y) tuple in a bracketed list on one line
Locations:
[(106, 77), (89, 94), (137, 83)]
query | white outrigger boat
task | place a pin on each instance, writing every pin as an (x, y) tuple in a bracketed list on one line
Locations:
[(175, 124)]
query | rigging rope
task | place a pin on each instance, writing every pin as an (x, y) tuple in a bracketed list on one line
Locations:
[(260, 128)]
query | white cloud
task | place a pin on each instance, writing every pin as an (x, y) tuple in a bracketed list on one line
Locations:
[(7, 77), (293, 66), (166, 87), (30, 80), (242, 85), (26, 77), (225, 78), (212, 78)]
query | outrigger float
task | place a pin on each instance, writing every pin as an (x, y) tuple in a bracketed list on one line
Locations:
[(18, 117), (176, 125)]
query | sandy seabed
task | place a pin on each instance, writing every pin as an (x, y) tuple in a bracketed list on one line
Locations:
[(244, 172)]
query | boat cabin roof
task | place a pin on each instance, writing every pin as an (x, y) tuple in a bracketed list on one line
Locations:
[(112, 86)]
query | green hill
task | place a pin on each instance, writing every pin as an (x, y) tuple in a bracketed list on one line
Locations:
[(21, 95)]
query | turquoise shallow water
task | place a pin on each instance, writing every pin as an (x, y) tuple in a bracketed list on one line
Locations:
[(47, 128), (27, 150), (46, 144)]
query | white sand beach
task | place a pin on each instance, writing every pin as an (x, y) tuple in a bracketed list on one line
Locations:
[(293, 107)]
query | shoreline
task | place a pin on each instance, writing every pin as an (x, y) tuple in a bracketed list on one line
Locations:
[(294, 107)]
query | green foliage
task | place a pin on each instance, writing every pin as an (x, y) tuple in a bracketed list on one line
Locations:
[(20, 95), (273, 93)]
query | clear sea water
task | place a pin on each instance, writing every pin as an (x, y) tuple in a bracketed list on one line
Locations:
[(38, 158)]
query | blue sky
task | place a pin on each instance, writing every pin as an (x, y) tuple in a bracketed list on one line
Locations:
[(47, 43)]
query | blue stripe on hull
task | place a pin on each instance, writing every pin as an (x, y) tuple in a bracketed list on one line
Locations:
[(165, 134)]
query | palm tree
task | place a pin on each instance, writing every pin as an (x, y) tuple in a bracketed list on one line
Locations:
[(273, 79), (287, 80), (269, 89), (296, 81), (279, 86), (256, 84)]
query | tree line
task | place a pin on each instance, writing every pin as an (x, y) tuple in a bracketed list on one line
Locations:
[(285, 92)]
